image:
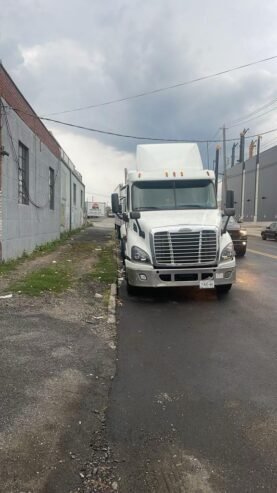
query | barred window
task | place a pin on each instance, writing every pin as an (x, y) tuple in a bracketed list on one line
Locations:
[(51, 188), (23, 174)]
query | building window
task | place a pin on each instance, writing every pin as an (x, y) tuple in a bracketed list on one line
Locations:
[(51, 188), (23, 174), (74, 193), (81, 198)]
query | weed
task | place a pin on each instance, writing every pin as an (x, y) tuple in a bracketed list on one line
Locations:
[(52, 279), (105, 269), (6, 267)]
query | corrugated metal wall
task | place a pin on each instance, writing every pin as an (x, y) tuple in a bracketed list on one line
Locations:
[(267, 196)]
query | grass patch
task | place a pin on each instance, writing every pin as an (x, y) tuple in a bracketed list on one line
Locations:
[(105, 269), (51, 279), (86, 248), (51, 246), (6, 267), (10, 265)]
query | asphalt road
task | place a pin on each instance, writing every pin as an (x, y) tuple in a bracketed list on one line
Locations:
[(194, 403)]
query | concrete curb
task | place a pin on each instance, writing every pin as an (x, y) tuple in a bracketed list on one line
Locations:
[(112, 305)]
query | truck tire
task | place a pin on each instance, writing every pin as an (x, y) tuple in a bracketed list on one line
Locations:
[(241, 252), (122, 250), (131, 290), (118, 235), (223, 289)]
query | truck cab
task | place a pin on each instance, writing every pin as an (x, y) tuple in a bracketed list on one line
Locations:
[(172, 232)]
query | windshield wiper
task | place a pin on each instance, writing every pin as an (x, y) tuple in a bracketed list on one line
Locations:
[(147, 209), (191, 206)]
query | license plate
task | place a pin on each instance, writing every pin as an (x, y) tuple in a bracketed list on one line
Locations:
[(207, 284)]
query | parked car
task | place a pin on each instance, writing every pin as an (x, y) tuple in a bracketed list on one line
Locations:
[(239, 236), (270, 232)]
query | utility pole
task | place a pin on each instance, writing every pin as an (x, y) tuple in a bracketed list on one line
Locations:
[(233, 154), (208, 157), (242, 145), (216, 167), (224, 183), (257, 176)]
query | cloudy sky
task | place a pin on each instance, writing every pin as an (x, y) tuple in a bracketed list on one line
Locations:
[(66, 54)]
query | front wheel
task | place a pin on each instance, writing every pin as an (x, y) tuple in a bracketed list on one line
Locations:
[(241, 253), (118, 235), (222, 289), (122, 249), (263, 237), (131, 290)]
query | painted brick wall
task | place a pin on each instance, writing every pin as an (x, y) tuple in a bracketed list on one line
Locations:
[(14, 98), (26, 226)]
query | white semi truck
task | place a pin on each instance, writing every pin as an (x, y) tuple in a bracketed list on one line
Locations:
[(173, 234)]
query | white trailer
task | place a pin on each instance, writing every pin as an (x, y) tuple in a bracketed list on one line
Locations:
[(96, 209), (172, 234)]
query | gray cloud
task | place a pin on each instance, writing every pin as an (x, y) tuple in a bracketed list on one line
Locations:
[(75, 52)]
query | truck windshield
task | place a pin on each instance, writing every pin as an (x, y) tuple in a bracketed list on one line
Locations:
[(173, 194)]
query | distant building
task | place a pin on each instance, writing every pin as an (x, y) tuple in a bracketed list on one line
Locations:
[(255, 187), (41, 192)]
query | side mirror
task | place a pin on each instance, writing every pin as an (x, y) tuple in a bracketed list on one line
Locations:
[(230, 199), (135, 215), (125, 217), (115, 203), (229, 211)]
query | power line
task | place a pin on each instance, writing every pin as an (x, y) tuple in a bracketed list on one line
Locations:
[(249, 115), (136, 137), (166, 88), (234, 139), (117, 134), (253, 118)]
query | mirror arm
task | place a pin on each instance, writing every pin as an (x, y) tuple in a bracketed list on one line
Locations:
[(223, 231), (141, 233)]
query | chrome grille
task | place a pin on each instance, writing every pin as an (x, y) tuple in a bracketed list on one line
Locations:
[(185, 247)]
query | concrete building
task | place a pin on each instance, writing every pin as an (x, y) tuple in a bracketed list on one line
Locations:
[(72, 195), (254, 183), (41, 192)]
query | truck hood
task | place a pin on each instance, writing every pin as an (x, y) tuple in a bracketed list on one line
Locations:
[(164, 219)]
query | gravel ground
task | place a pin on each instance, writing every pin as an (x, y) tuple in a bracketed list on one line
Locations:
[(57, 363)]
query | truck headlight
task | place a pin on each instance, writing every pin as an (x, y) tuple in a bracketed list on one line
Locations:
[(139, 255), (227, 252)]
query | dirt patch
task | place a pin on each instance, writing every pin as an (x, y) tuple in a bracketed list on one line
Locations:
[(57, 362)]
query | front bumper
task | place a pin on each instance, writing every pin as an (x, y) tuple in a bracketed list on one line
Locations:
[(148, 276)]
